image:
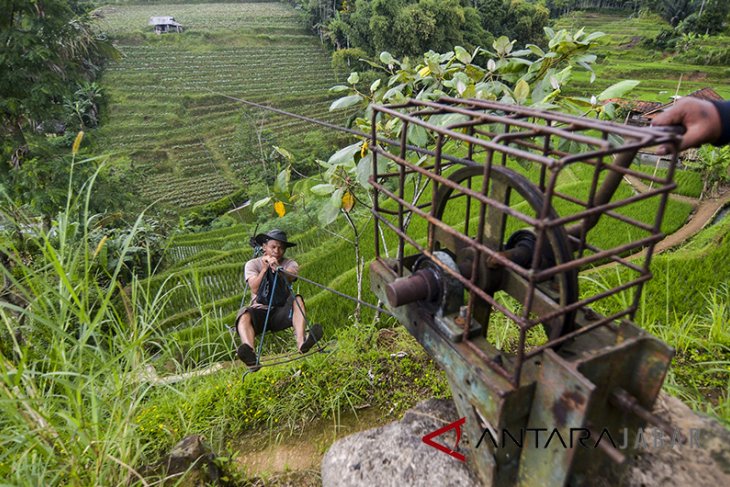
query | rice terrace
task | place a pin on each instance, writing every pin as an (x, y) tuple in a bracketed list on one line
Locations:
[(349, 242)]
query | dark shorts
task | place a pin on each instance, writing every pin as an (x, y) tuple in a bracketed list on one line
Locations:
[(280, 317)]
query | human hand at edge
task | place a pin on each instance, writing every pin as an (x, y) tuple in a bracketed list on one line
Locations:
[(270, 261), (699, 117)]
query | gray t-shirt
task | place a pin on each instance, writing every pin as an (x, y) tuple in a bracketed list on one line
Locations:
[(255, 266)]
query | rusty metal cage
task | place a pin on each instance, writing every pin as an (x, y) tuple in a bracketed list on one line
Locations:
[(516, 201)]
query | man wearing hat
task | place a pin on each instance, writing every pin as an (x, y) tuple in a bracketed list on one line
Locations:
[(251, 319)]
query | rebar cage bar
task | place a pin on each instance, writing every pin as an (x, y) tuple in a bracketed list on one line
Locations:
[(470, 174)]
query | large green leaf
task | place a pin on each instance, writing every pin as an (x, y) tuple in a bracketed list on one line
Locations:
[(261, 202), (619, 89), (365, 169), (448, 119), (345, 102), (331, 209), (345, 156), (417, 135), (281, 185), (462, 55), (288, 155), (386, 58), (522, 91), (323, 189)]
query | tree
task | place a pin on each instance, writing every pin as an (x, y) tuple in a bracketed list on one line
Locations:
[(526, 21), (708, 17), (50, 48), (714, 164), (674, 11)]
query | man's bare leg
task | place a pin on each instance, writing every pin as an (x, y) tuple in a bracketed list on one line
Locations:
[(245, 329), (298, 320)]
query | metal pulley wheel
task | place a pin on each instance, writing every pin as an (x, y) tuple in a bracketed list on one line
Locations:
[(510, 188)]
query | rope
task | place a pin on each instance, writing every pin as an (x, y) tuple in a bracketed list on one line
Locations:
[(266, 321), (293, 115), (334, 291)]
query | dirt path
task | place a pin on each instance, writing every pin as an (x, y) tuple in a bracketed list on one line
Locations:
[(703, 213)]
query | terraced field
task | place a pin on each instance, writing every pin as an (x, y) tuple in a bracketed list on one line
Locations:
[(624, 57), (190, 144)]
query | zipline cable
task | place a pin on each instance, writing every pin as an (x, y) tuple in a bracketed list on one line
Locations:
[(358, 133), (334, 291)]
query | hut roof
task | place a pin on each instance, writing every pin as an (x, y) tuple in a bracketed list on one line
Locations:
[(164, 21), (703, 94)]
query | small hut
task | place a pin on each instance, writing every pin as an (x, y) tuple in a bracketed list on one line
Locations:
[(164, 25)]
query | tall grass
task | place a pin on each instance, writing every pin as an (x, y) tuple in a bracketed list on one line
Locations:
[(71, 359), (686, 306)]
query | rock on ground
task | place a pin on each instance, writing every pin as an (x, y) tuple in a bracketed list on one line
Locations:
[(395, 455)]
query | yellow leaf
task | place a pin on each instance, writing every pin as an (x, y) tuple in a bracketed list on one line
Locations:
[(424, 71), (77, 143), (348, 201), (279, 209), (101, 244), (364, 149)]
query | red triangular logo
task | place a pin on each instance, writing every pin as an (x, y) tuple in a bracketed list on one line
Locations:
[(428, 439)]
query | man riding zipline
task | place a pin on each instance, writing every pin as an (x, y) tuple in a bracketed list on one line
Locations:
[(273, 306)]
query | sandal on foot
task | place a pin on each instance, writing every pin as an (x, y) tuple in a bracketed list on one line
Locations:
[(315, 335), (247, 356)]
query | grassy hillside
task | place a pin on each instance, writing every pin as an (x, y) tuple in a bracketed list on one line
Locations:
[(189, 144), (624, 56)]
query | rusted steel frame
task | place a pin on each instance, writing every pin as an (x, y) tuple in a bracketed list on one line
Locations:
[(580, 331), (520, 359), (540, 241), (577, 263), (546, 149), (608, 206), (465, 138), (650, 250), (630, 221), (469, 155), (397, 174), (592, 299), (401, 195), (474, 194), (388, 212), (588, 157), (499, 369), (466, 282), (613, 214), (626, 171), (621, 399), (480, 243), (374, 177), (559, 117), (427, 152), (518, 122), (529, 145), (446, 228), (586, 225), (529, 297), (434, 192), (611, 452), (614, 258)]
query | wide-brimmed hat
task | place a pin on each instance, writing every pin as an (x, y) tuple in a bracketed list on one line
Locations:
[(274, 234)]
